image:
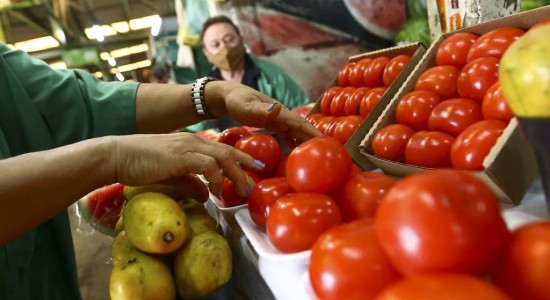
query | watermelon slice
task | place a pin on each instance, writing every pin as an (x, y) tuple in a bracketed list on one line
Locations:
[(101, 208)]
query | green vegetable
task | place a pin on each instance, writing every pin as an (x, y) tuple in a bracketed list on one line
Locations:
[(413, 31), (532, 4), (417, 9)]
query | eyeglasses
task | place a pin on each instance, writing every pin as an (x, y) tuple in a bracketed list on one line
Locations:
[(214, 46)]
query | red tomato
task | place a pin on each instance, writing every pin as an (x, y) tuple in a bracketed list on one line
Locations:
[(390, 142), (346, 128), (525, 267), (374, 71), (476, 78), (394, 67), (429, 149), (472, 146), (356, 74), (314, 118), (442, 286), (281, 168), (229, 196), (370, 100), (343, 74), (332, 127), (453, 50), (414, 109), (324, 123), (354, 101), (320, 164), (362, 194), (263, 195), (326, 99), (452, 116), (338, 105), (494, 43), (355, 170), (441, 221), (296, 220), (230, 136), (263, 147), (495, 106), (440, 80), (347, 262)]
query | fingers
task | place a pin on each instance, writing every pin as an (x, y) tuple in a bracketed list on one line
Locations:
[(199, 163)]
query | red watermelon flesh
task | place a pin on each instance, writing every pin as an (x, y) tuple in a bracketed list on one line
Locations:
[(101, 208), (383, 18)]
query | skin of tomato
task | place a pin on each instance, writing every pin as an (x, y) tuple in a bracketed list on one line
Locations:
[(472, 146), (414, 109), (362, 195), (525, 267), (452, 116), (441, 221), (372, 77), (343, 74), (453, 50), (494, 105), (346, 128), (476, 77), (230, 136), (263, 195), (441, 80), (394, 67), (314, 118), (370, 100), (324, 123), (229, 196), (296, 220), (390, 142), (338, 105), (347, 262), (354, 101), (263, 147), (442, 286), (332, 127), (319, 165), (356, 74), (280, 171), (327, 98), (429, 149), (494, 43)]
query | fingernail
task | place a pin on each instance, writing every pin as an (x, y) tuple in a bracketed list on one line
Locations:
[(270, 108), (248, 190), (259, 163)]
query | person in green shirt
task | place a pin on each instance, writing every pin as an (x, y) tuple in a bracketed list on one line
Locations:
[(64, 133)]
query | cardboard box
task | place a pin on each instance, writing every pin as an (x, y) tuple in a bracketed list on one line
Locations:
[(416, 51), (510, 167)]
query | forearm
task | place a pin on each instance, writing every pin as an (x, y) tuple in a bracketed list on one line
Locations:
[(39, 185)]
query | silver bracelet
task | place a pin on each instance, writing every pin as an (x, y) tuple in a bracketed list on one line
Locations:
[(197, 96)]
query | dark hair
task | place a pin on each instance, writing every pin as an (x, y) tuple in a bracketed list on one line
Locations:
[(216, 20)]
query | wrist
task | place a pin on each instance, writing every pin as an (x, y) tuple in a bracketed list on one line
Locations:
[(105, 152), (214, 92)]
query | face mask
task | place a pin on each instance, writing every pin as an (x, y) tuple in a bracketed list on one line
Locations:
[(228, 59)]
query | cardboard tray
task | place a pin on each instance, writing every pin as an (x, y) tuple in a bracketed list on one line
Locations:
[(416, 51), (510, 167)]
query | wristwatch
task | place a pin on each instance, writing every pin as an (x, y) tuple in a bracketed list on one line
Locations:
[(197, 96)]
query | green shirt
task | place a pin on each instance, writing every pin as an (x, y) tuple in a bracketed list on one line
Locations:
[(41, 109)]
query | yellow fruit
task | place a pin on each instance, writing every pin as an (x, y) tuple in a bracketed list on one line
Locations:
[(203, 265), (197, 216), (121, 249), (119, 226), (130, 191), (154, 223)]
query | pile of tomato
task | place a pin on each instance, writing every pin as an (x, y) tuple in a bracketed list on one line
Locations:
[(361, 84)]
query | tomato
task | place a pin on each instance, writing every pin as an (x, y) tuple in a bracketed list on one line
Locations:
[(370, 100), (429, 149), (374, 72), (472, 146), (414, 109), (263, 195), (494, 43), (320, 164), (324, 123), (338, 105), (394, 67), (314, 118), (326, 99), (355, 170), (263, 147), (390, 142), (362, 194), (354, 101), (476, 78), (441, 221), (452, 116), (356, 74), (346, 128), (347, 262), (229, 196), (494, 105), (343, 74), (332, 127), (230, 136), (440, 80), (280, 171), (453, 50), (525, 267), (442, 286), (296, 220)]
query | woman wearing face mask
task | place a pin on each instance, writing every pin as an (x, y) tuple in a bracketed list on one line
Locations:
[(223, 47)]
